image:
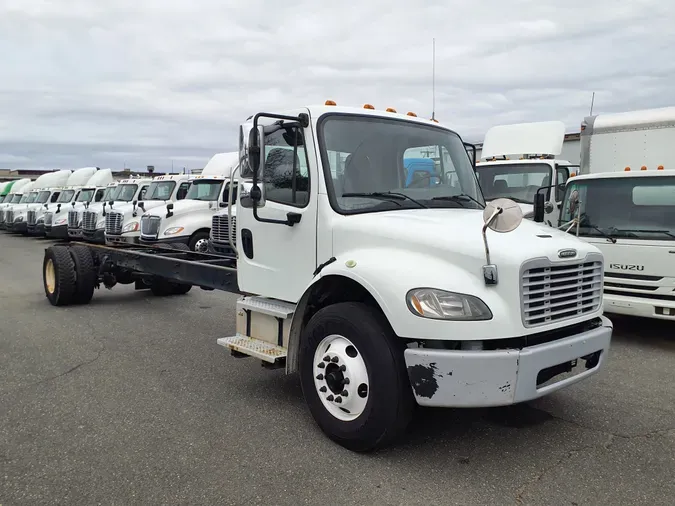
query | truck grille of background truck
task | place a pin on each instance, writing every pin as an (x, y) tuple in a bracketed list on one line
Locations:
[(9, 217), (48, 219), (89, 219), (551, 293), (219, 228), (72, 219), (30, 218), (2, 216), (113, 223), (150, 226)]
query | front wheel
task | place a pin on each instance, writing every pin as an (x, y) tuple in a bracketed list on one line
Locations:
[(353, 376), (199, 242)]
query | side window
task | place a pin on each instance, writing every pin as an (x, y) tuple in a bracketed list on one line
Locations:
[(98, 195), (55, 197), (182, 191), (561, 177), (141, 194), (283, 147)]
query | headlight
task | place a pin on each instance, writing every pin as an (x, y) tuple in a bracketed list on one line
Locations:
[(442, 305), (61, 221), (132, 226), (173, 230)]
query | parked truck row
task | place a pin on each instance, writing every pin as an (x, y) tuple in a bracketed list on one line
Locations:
[(366, 260)]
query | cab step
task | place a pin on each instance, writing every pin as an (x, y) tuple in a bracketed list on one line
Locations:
[(263, 305), (254, 348)]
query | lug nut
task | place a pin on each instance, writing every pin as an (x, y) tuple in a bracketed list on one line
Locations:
[(319, 377), (321, 365), (322, 389), (329, 398), (345, 381), (326, 358), (338, 400), (343, 368), (335, 359), (344, 393)]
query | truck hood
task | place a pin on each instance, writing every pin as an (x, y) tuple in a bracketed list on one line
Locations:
[(637, 257), (127, 208), (453, 235)]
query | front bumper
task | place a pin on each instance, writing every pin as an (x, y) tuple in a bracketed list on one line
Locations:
[(639, 306), (57, 232), (18, 227), (219, 248), (485, 378), (112, 240), (96, 236), (37, 229), (185, 239), (75, 233)]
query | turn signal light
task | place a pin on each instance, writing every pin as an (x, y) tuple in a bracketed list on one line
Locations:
[(412, 114), (391, 109), (644, 167), (330, 102)]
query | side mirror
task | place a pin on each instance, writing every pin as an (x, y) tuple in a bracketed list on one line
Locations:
[(222, 204), (254, 149), (142, 205), (169, 208), (471, 151), (539, 207), (135, 202)]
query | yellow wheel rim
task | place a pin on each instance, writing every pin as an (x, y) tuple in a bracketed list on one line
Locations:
[(50, 276)]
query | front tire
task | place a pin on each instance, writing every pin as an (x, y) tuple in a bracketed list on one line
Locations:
[(353, 377), (58, 276), (199, 242)]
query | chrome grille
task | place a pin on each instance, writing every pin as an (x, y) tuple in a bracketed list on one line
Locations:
[(219, 228), (9, 216), (48, 217), (555, 292), (89, 219), (113, 223), (30, 217), (73, 219), (2, 216), (150, 226)]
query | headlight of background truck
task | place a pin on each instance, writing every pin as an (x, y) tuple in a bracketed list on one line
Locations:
[(442, 305), (132, 226), (173, 230)]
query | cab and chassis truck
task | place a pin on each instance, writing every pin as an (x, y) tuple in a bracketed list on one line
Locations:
[(380, 296)]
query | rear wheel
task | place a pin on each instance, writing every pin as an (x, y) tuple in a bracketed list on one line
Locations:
[(58, 276), (85, 272), (353, 376)]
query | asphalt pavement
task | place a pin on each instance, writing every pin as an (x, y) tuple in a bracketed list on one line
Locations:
[(129, 400)]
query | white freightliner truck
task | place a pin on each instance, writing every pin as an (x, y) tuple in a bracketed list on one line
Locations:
[(47, 187), (520, 159), (56, 225), (43, 216), (76, 219), (19, 195), (13, 197), (380, 295), (123, 223), (624, 203), (189, 220), (126, 194)]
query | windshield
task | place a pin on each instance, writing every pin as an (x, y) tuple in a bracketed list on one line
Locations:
[(626, 207), (43, 196), (19, 199), (161, 190), (66, 196), (85, 195), (125, 192), (204, 190), (30, 198), (516, 181), (400, 164)]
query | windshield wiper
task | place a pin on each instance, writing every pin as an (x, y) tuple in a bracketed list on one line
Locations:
[(389, 196), (519, 201), (602, 232), (636, 231), (459, 197)]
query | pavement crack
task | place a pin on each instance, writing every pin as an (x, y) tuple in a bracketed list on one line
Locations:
[(69, 371)]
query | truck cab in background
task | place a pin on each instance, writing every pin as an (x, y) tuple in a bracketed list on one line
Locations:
[(123, 222), (189, 220), (48, 187), (521, 159), (12, 197)]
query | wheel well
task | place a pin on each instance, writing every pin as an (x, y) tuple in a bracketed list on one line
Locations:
[(327, 291), (207, 230)]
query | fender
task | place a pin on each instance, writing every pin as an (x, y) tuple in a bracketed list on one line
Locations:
[(384, 275), (191, 221)]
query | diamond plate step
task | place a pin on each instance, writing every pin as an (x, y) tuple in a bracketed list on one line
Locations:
[(270, 307), (253, 347)]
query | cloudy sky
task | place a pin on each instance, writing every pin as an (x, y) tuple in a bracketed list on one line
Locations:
[(138, 82)]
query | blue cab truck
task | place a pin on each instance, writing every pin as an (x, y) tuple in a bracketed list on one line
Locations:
[(417, 169)]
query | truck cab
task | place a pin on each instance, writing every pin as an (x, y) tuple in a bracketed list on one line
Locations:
[(13, 193), (123, 193), (56, 224), (522, 159), (48, 187), (18, 196), (123, 222), (188, 221)]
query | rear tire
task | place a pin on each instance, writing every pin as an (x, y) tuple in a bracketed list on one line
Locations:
[(86, 275), (358, 341), (58, 276)]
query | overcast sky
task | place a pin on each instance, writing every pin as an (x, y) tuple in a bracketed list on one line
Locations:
[(139, 82)]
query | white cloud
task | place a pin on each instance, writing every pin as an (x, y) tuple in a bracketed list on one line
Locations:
[(148, 82)]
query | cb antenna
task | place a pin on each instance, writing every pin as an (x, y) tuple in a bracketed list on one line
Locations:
[(592, 102), (433, 79)]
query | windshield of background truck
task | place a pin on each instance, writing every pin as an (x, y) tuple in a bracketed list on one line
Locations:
[(66, 196), (370, 155), (160, 191), (515, 181), (85, 195), (16, 199), (125, 192), (627, 207), (30, 198), (43, 197), (204, 190)]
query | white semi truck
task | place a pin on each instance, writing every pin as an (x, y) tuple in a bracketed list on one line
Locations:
[(20, 196), (56, 223), (67, 193), (123, 223), (76, 216), (13, 197), (520, 159), (125, 195), (359, 282), (188, 221), (625, 200), (48, 191)]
